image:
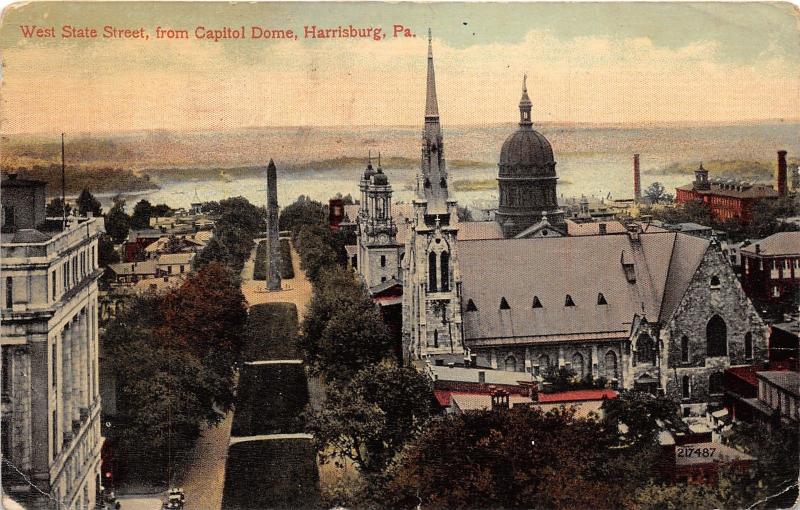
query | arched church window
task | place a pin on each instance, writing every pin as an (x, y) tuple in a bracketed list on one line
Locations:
[(748, 345), (601, 299), (715, 384), (432, 272), (610, 365), (568, 301), (427, 183), (445, 281), (684, 349), (715, 282), (536, 302), (471, 306), (511, 364), (716, 337), (577, 365), (686, 390), (645, 350), (504, 304)]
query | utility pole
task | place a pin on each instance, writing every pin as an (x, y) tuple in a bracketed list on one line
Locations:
[(63, 187)]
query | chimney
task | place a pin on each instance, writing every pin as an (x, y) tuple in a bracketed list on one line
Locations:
[(758, 249), (782, 188), (637, 183), (602, 228), (500, 400)]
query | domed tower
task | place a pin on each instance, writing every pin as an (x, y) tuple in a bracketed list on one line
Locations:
[(378, 251), (527, 177)]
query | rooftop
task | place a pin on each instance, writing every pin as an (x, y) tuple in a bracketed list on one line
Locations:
[(577, 395), (710, 452), (461, 374), (148, 267), (782, 243), (785, 379), (735, 189)]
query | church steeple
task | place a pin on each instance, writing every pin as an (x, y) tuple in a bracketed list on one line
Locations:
[(525, 104), (431, 102)]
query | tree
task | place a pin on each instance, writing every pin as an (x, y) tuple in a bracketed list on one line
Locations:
[(214, 251), (160, 210), (106, 254), (464, 214), (302, 212), (676, 497), (88, 204), (140, 219), (117, 221), (369, 418), (317, 249), (639, 412), (55, 208), (656, 193), (517, 458)]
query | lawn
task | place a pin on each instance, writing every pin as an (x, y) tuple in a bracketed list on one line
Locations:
[(271, 474), (270, 332), (260, 268), (270, 399)]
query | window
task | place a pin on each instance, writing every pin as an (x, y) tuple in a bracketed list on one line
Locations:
[(511, 364), (568, 301), (536, 302), (601, 299), (748, 345), (610, 365), (686, 390), (56, 441), (383, 260), (715, 384), (577, 365), (471, 306), (504, 304), (5, 354), (435, 338), (715, 282), (776, 292), (183, 268), (445, 281), (544, 361), (54, 364), (9, 292), (53, 283), (645, 350), (432, 272), (481, 376), (716, 337), (684, 349)]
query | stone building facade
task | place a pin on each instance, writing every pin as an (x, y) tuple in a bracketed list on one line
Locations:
[(51, 437)]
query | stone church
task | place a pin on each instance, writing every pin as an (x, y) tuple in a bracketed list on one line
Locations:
[(656, 311)]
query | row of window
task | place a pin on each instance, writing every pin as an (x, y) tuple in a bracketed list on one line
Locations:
[(568, 301), (785, 403), (716, 343), (577, 363)]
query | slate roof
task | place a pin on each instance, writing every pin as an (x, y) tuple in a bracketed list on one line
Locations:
[(754, 191), (592, 228), (472, 230), (147, 267), (782, 243), (175, 258), (582, 267)]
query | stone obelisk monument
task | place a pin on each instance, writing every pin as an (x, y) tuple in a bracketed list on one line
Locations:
[(273, 246)]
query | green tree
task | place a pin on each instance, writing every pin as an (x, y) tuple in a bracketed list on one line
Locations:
[(464, 213), (88, 204), (518, 458), (369, 418), (55, 208), (140, 219), (106, 253), (214, 251), (302, 212), (640, 413), (117, 221), (317, 249), (676, 497), (657, 194), (160, 210)]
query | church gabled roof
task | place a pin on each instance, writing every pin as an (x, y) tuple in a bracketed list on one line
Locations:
[(581, 267)]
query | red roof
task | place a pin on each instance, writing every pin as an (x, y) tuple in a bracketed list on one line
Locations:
[(577, 395), (747, 374)]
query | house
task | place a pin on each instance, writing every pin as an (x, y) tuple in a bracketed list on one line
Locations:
[(754, 393), (131, 272), (175, 263), (771, 272)]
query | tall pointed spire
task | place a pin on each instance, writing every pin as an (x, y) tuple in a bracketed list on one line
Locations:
[(431, 103), (525, 104)]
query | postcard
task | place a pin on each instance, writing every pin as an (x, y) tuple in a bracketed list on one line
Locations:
[(363, 255)]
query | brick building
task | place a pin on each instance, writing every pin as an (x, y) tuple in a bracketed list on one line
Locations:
[(50, 384), (771, 272), (729, 199)]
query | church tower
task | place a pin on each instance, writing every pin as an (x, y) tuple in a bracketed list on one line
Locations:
[(378, 251), (527, 177), (431, 302)]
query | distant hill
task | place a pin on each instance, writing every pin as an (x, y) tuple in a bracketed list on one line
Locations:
[(763, 171)]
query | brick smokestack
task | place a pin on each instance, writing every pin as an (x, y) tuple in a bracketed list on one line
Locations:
[(637, 181), (782, 187)]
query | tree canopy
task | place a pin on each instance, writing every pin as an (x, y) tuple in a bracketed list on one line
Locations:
[(88, 204)]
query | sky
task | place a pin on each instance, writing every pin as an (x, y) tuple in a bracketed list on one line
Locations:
[(586, 63)]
